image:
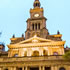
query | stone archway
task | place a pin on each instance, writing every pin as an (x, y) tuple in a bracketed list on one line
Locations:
[(35, 53), (62, 68)]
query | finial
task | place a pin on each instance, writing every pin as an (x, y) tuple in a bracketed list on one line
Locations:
[(22, 35), (36, 0), (66, 46), (48, 33), (13, 36), (58, 32)]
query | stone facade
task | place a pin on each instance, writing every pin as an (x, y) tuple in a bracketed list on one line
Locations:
[(38, 50)]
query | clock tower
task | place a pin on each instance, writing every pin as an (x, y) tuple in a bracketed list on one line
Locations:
[(36, 24)]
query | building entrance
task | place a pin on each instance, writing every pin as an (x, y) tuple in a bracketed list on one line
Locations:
[(34, 68)]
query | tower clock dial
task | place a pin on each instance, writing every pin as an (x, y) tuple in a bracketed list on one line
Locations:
[(36, 15)]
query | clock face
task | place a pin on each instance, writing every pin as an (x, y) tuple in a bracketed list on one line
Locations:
[(36, 15)]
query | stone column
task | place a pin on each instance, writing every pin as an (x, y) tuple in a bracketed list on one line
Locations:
[(68, 68), (52, 68), (56, 68), (43, 68), (0, 68), (14, 68), (22, 68), (26, 68), (40, 68), (37, 27), (48, 51), (11, 68), (40, 52)]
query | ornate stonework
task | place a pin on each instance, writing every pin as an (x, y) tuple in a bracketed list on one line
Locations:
[(38, 50)]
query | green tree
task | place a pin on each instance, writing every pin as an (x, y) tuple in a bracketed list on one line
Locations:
[(67, 55)]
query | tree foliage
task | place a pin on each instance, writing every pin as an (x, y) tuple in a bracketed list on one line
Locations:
[(67, 55)]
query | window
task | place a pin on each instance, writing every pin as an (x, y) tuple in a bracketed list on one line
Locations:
[(32, 26), (36, 4), (55, 53), (39, 26), (15, 55), (35, 53), (62, 68), (19, 68), (35, 26)]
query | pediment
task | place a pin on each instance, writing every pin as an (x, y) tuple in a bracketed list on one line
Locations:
[(35, 39)]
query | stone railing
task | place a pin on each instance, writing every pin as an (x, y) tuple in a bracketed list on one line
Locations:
[(39, 58)]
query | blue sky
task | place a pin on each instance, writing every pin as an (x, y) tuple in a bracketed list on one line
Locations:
[(14, 13)]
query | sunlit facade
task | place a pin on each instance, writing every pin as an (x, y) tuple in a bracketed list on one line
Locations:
[(38, 50)]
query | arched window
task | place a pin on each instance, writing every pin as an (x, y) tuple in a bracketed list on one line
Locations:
[(15, 55), (35, 26), (35, 53), (55, 53), (36, 4), (39, 26), (62, 68), (32, 26)]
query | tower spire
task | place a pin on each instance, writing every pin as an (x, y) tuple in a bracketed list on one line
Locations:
[(37, 4)]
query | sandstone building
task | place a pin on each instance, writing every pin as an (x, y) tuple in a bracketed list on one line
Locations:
[(38, 50)]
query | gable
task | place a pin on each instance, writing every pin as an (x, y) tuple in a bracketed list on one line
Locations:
[(35, 39)]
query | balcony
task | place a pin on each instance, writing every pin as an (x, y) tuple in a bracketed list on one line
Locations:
[(38, 58)]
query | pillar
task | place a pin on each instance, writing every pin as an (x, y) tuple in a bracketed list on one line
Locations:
[(11, 68), (14, 68), (26, 68), (68, 68), (43, 68), (0, 68), (56, 68), (40, 68), (52, 68), (41, 52), (22, 68)]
